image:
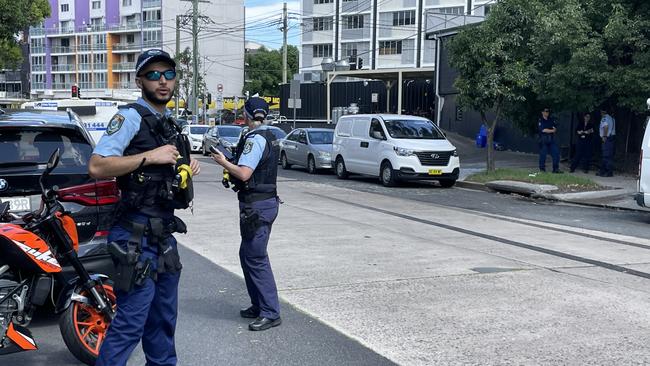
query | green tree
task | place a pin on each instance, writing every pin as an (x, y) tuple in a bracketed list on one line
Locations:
[(17, 16), (264, 70), (491, 59), (185, 73)]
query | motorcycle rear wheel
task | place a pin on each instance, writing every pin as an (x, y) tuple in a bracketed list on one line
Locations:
[(84, 328)]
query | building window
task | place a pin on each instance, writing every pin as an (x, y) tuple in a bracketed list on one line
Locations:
[(151, 38), (323, 1), (65, 8), (150, 15), (404, 18), (390, 47), (127, 2), (97, 4), (322, 24), (130, 38), (349, 49), (455, 10), (322, 50), (353, 22)]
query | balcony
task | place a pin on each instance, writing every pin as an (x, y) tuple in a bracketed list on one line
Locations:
[(85, 85), (100, 66), (136, 46), (10, 94), (151, 4), (36, 68), (100, 85), (94, 47), (36, 31), (61, 86), (60, 49), (36, 50), (124, 85), (82, 67), (39, 86), (63, 67), (124, 66), (128, 26), (157, 24)]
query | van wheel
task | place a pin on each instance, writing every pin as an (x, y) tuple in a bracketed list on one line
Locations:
[(447, 183), (387, 175), (284, 161), (341, 172), (311, 164)]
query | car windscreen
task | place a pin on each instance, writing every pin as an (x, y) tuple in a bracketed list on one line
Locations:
[(321, 137), (229, 131), (198, 130), (278, 133), (413, 129), (30, 149)]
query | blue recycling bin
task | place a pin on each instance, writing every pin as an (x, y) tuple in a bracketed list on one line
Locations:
[(481, 137)]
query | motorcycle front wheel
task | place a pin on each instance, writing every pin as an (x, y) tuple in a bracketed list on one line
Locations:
[(84, 327)]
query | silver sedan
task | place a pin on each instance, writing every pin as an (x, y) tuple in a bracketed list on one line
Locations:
[(308, 147)]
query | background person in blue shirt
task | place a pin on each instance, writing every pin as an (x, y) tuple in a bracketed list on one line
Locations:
[(547, 127), (607, 133), (142, 148), (254, 173)]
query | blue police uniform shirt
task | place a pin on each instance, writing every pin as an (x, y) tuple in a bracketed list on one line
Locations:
[(115, 143), (253, 150), (546, 124), (610, 122)]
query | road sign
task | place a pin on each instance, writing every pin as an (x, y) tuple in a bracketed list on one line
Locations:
[(295, 103), (294, 89), (375, 97), (219, 101), (220, 88)]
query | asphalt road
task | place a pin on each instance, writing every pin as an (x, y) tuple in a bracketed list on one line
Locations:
[(614, 221), (210, 331)]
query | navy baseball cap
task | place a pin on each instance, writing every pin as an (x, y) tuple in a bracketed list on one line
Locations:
[(151, 56), (256, 108)]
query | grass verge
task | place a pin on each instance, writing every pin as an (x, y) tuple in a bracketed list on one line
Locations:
[(565, 182)]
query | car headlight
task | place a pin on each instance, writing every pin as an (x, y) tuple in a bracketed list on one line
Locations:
[(454, 153), (325, 155), (403, 152)]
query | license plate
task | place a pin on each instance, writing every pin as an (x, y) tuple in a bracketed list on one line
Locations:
[(435, 172), (18, 204)]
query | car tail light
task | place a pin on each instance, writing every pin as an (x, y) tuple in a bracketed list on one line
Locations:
[(92, 194)]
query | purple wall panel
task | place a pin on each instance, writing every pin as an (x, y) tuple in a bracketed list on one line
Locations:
[(81, 14), (53, 21), (112, 12)]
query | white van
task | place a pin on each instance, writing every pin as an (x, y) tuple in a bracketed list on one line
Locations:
[(643, 185), (394, 148)]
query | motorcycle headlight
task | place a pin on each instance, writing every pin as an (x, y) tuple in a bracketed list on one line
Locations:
[(325, 155), (403, 152)]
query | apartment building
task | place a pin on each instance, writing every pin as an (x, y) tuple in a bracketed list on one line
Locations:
[(95, 44), (382, 33)]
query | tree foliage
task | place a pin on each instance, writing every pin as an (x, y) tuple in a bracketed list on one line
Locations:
[(572, 55), (184, 77), (264, 70), (17, 16)]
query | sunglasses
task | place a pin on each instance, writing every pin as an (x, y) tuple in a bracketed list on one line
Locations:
[(546, 110), (155, 75)]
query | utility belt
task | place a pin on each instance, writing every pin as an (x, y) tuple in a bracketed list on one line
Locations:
[(130, 270), (250, 197)]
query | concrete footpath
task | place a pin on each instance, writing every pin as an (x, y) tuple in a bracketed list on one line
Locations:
[(618, 194)]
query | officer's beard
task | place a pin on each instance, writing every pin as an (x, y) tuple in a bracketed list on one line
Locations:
[(150, 95)]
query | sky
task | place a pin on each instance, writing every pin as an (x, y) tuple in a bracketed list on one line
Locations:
[(264, 18)]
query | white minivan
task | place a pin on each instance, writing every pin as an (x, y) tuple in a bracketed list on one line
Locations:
[(643, 185), (394, 148)]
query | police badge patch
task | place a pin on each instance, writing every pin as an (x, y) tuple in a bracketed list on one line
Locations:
[(248, 147), (115, 124)]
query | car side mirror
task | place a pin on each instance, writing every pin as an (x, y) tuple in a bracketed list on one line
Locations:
[(185, 132), (378, 135)]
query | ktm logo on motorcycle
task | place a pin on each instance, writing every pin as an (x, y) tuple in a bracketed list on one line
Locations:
[(44, 257)]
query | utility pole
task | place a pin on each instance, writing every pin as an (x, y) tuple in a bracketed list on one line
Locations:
[(178, 51), (285, 30), (195, 57)]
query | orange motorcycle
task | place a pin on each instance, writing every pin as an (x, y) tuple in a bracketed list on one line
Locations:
[(33, 249)]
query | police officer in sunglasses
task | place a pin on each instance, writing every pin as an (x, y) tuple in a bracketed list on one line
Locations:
[(144, 149)]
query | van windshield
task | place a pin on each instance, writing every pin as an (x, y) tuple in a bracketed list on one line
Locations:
[(413, 129)]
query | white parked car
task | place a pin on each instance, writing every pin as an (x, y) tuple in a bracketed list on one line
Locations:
[(196, 135), (394, 148), (643, 185)]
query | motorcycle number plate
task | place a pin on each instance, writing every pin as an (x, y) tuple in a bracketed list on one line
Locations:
[(18, 204)]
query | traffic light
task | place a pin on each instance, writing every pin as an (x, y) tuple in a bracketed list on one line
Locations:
[(359, 63), (75, 91), (209, 99), (353, 62), (78, 92)]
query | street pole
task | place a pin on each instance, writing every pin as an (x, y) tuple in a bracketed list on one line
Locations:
[(294, 110), (195, 56), (285, 30), (178, 50)]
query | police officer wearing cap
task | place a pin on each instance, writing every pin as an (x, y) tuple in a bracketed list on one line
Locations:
[(254, 173), (144, 149)]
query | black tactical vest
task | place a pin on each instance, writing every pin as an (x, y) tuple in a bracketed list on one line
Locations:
[(151, 189), (262, 184)]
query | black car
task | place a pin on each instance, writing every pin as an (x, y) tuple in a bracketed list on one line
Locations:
[(27, 139)]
